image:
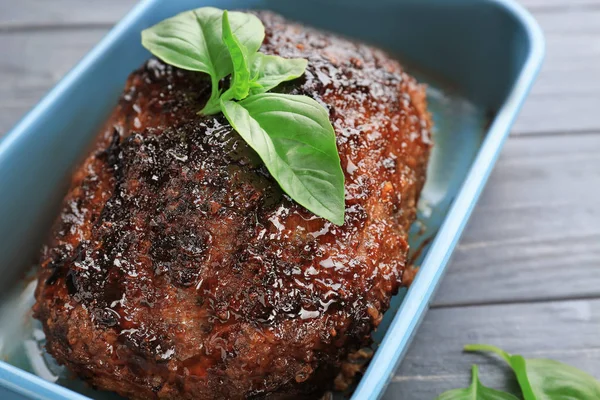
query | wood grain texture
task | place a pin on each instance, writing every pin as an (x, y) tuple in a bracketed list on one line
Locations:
[(565, 97), (555, 5), (566, 331), (535, 233), (44, 13), (32, 63)]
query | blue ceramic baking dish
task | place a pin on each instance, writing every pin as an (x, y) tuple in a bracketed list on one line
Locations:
[(479, 58)]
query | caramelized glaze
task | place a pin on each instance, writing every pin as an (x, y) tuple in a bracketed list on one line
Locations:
[(179, 269)]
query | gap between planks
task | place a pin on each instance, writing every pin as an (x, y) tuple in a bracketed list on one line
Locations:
[(70, 26), (504, 302), (562, 132), (559, 5)]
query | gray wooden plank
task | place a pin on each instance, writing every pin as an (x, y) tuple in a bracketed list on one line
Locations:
[(33, 62), (565, 97), (535, 233), (545, 5), (31, 13), (536, 182), (565, 331)]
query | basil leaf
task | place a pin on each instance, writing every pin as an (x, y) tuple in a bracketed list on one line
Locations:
[(295, 140), (543, 379), (476, 391), (193, 40), (240, 81), (268, 71)]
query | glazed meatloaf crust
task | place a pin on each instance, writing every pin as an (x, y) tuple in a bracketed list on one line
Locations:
[(177, 267)]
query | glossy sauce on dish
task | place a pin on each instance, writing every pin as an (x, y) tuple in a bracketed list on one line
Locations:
[(178, 266)]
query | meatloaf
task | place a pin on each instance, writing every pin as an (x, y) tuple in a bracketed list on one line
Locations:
[(179, 269)]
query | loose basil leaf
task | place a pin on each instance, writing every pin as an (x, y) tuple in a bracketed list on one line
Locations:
[(476, 391), (193, 40), (295, 140), (268, 71), (543, 379), (240, 81)]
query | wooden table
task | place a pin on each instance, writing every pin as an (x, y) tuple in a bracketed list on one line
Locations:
[(526, 275)]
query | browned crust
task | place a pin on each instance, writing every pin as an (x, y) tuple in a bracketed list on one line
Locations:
[(177, 269)]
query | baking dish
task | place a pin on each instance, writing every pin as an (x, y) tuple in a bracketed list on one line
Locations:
[(479, 57)]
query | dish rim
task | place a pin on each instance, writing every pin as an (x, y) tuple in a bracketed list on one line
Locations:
[(412, 310), (415, 304)]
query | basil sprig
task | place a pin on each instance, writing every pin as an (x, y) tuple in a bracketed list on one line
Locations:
[(539, 379), (476, 391), (193, 41), (292, 134)]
